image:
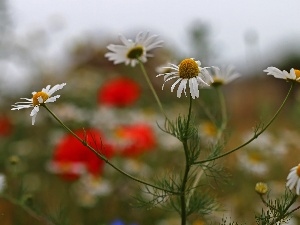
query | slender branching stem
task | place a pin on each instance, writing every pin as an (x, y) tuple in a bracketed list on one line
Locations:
[(99, 155), (186, 170), (256, 134)]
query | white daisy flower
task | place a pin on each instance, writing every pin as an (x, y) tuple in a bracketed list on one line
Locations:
[(293, 179), (188, 71), (292, 75), (38, 98), (133, 51), (223, 76)]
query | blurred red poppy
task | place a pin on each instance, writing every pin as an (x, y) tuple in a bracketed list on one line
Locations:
[(5, 126), (71, 158), (135, 139), (119, 92)]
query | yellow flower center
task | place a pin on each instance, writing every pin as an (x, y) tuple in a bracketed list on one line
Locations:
[(188, 68), (35, 97), (298, 170), (261, 188), (209, 129), (136, 52), (255, 157), (217, 82), (297, 72)]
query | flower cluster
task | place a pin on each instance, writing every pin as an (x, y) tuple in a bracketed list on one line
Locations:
[(76, 160)]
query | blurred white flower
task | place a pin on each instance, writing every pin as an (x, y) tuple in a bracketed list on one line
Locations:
[(89, 188), (224, 75), (253, 161), (37, 99), (293, 179), (292, 75), (188, 71), (2, 182), (133, 51)]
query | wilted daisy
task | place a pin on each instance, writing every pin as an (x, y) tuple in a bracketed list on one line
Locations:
[(292, 75), (38, 98), (133, 51), (223, 76), (188, 71), (293, 179)]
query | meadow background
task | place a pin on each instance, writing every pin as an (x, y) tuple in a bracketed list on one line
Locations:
[(28, 153)]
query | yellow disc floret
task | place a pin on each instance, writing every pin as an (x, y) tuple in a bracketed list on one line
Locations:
[(188, 68), (297, 72), (261, 188), (41, 94), (217, 82), (298, 170), (136, 52)]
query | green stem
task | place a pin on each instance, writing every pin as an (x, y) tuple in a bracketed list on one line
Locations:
[(256, 134), (186, 170), (105, 159), (152, 89), (223, 113), (286, 213), (219, 134)]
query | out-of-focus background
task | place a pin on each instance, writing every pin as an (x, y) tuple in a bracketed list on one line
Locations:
[(50, 42)]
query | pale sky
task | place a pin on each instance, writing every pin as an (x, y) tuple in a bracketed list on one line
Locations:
[(273, 20)]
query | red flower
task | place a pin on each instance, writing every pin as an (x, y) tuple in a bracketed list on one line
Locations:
[(5, 126), (119, 92), (71, 158), (135, 139)]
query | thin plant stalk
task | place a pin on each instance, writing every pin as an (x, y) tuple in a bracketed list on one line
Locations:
[(223, 113), (219, 134), (152, 89), (186, 171), (256, 135)]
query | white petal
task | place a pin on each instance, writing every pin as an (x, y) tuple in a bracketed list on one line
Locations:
[(35, 110), (33, 119), (40, 99), (173, 85), (55, 88), (275, 72), (46, 89), (52, 99), (182, 86), (193, 85), (298, 187), (291, 174), (125, 41), (34, 113)]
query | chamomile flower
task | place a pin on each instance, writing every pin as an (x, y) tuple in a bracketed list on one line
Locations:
[(223, 76), (188, 71), (293, 179), (38, 98), (133, 51), (294, 74)]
